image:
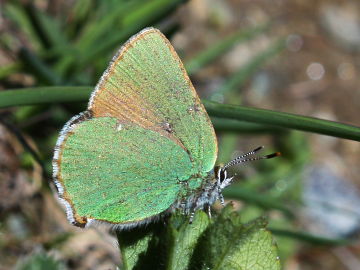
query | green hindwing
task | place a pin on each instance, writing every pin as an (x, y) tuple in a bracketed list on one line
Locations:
[(120, 173)]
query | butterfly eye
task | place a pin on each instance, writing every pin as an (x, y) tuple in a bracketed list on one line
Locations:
[(222, 174)]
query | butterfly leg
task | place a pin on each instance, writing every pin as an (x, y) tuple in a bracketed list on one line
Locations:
[(222, 200), (193, 208), (208, 210), (192, 214), (183, 207)]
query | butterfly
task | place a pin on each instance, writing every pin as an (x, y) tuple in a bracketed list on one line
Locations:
[(144, 146)]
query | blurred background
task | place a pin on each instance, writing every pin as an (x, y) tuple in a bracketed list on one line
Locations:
[(301, 57)]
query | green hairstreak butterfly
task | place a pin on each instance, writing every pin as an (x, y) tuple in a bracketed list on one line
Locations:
[(144, 146)]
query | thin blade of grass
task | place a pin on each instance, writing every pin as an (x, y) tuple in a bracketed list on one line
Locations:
[(97, 29), (131, 22), (211, 53), (81, 14), (310, 238), (283, 120), (52, 29), (29, 96), (222, 124), (37, 25), (17, 14), (261, 200), (238, 78), (145, 15), (43, 95), (38, 68)]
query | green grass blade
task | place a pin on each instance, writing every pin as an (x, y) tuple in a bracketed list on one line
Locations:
[(43, 95), (80, 15), (17, 14), (38, 68), (283, 120), (29, 96), (223, 124), (88, 50), (53, 31), (310, 238), (38, 26), (145, 15), (97, 29), (261, 200), (238, 78), (211, 53)]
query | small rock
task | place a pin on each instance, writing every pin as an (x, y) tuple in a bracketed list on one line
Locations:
[(331, 204), (342, 22)]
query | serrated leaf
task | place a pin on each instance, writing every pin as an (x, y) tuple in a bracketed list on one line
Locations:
[(229, 245)]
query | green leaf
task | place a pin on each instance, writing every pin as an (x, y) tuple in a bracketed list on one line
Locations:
[(228, 244), (219, 243), (133, 247), (159, 246), (185, 239)]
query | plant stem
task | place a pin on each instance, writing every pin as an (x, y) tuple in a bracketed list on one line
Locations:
[(283, 120), (43, 95)]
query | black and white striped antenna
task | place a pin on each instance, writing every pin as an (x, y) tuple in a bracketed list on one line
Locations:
[(243, 158)]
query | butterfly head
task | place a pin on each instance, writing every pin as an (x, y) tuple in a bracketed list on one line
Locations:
[(222, 179), (221, 172)]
